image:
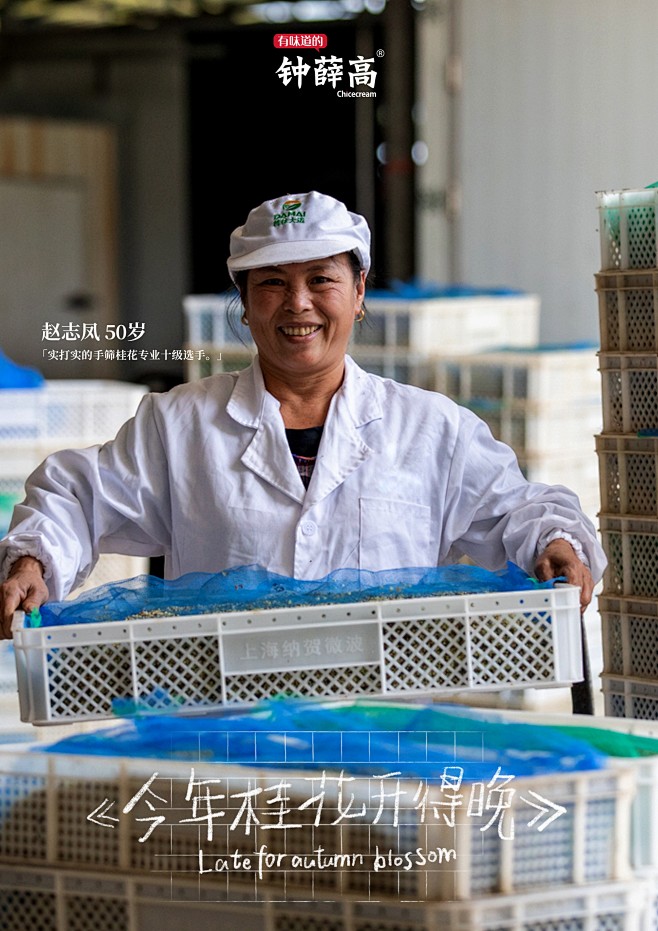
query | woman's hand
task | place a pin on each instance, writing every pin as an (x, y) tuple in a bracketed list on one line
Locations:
[(24, 588), (560, 559)]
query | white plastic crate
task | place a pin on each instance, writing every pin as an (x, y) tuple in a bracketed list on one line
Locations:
[(209, 322), (629, 384), (631, 545), (399, 647), (428, 325), (67, 412), (409, 366), (447, 325), (628, 311), (560, 377), (628, 474), (627, 228), (215, 339), (536, 430), (62, 900), (644, 826), (46, 798)]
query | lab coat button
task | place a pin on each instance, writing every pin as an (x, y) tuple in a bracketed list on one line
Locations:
[(309, 528)]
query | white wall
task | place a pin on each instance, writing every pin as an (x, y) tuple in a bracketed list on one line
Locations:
[(559, 100)]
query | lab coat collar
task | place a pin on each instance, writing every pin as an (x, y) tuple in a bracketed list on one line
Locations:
[(342, 450), (246, 402), (358, 391)]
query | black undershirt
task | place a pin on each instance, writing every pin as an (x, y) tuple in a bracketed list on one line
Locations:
[(304, 445)]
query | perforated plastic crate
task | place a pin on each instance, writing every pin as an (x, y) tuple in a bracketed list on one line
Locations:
[(399, 647), (446, 325), (628, 472), (628, 697), (209, 322), (629, 386), (630, 636), (67, 412), (560, 377), (627, 228), (631, 545), (59, 900), (536, 430), (628, 311), (409, 366), (644, 826), (556, 830), (469, 323)]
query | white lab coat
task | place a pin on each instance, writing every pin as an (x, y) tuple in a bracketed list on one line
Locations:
[(203, 474)]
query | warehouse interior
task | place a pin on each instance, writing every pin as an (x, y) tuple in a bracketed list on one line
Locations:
[(506, 164)]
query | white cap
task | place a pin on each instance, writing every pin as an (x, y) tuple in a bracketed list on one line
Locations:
[(298, 228)]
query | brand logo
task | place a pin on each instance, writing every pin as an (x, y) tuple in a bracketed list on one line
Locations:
[(291, 212)]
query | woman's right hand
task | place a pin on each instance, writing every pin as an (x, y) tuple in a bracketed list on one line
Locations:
[(24, 588)]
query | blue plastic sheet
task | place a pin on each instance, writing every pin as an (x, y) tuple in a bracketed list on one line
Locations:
[(253, 588), (365, 737), (13, 375)]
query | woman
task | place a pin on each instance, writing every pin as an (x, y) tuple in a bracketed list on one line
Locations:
[(302, 463)]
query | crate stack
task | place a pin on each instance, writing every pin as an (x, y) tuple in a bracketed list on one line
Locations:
[(141, 843), (62, 414), (403, 332), (627, 449), (543, 401), (35, 422)]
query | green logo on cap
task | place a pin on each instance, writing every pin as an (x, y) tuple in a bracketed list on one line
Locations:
[(290, 213)]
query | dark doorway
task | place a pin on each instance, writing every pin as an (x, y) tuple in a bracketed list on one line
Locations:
[(252, 137)]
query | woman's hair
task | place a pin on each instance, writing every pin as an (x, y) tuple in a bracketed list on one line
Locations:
[(235, 308)]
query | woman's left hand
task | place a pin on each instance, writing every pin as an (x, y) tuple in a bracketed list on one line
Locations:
[(560, 559)]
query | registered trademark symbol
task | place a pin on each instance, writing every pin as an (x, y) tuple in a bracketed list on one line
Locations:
[(380, 53)]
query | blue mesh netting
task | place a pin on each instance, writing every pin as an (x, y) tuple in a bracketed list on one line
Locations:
[(253, 587), (362, 737)]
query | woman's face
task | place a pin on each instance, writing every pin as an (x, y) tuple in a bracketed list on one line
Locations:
[(301, 315)]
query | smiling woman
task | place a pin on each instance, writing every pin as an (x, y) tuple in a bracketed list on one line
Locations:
[(302, 463), (301, 317)]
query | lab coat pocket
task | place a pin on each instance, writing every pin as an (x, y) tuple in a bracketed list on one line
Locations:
[(253, 535), (393, 534)]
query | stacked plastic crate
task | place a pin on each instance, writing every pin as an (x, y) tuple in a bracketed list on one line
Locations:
[(62, 414), (411, 325), (35, 422), (543, 401), (404, 329), (627, 449), (124, 842)]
